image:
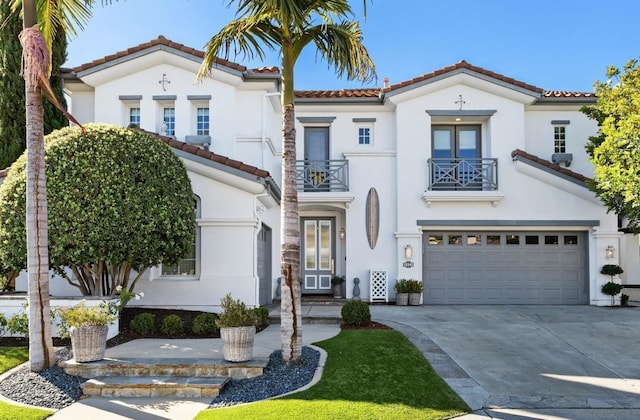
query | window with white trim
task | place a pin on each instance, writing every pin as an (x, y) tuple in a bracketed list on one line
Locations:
[(364, 131), (364, 136), (134, 116), (202, 121), (169, 121), (559, 139), (189, 266)]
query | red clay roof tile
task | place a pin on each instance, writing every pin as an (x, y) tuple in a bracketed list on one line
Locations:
[(463, 65), (206, 154), (161, 40), (550, 165)]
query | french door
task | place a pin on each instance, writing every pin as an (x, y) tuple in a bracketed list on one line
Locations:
[(318, 254), (316, 157), (457, 156)]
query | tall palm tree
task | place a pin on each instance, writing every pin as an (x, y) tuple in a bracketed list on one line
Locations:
[(36, 59), (289, 26)]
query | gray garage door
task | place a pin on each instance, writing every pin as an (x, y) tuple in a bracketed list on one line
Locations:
[(505, 268)]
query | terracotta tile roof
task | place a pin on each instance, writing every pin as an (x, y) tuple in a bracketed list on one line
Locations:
[(458, 66), (161, 40), (195, 150), (335, 94), (550, 165), (266, 70), (567, 94)]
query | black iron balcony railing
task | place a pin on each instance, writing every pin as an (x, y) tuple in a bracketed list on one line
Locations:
[(322, 175), (446, 174)]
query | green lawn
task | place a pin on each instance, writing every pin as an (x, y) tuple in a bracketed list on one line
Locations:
[(9, 358), (369, 374)]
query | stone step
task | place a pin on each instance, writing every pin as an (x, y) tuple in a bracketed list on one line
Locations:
[(153, 386), (274, 319), (175, 367)]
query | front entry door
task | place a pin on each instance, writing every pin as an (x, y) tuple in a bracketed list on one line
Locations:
[(318, 255)]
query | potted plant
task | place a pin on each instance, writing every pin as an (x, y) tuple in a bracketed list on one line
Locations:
[(237, 325), (402, 292), (336, 286), (87, 326), (611, 288), (415, 291)]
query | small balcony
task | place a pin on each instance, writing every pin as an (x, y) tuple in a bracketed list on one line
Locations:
[(322, 175), (466, 174)]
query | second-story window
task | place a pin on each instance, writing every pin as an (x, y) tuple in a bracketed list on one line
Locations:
[(202, 122), (134, 116), (559, 139), (364, 135), (169, 120)]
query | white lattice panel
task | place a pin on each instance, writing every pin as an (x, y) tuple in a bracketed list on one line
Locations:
[(378, 281)]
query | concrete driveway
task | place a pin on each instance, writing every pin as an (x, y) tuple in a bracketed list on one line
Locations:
[(583, 359)]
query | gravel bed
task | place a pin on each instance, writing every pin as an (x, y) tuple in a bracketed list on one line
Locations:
[(50, 388), (277, 379)]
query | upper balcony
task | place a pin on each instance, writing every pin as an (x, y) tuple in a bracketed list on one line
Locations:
[(467, 174), (322, 175)]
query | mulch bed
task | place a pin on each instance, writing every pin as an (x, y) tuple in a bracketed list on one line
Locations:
[(187, 317)]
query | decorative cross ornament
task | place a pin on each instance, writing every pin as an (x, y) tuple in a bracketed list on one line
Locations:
[(164, 82), (460, 101)]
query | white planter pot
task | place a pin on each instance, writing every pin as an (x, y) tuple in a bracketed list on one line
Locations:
[(89, 342), (237, 343)]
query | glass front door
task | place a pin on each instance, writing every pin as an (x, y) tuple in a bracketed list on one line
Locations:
[(318, 255)]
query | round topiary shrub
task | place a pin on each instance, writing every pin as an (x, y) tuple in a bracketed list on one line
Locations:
[(262, 316), (205, 324), (356, 312), (172, 326), (119, 201), (143, 324)]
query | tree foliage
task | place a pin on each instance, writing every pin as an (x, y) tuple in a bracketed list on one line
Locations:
[(119, 200), (616, 150), (12, 100), (12, 104)]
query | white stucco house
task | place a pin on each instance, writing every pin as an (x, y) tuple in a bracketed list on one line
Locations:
[(465, 179)]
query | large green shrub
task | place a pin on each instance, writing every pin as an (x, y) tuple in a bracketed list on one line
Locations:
[(118, 200), (356, 312)]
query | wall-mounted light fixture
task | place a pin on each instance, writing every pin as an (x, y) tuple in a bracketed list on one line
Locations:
[(610, 252), (408, 252), (343, 233)]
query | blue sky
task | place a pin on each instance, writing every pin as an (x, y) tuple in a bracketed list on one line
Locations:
[(555, 45)]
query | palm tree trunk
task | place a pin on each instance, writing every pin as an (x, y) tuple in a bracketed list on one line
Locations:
[(291, 306), (41, 354)]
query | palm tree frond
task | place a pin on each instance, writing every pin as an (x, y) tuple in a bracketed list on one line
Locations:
[(341, 45), (247, 37)]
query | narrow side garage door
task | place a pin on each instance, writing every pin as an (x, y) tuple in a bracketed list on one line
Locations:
[(505, 268)]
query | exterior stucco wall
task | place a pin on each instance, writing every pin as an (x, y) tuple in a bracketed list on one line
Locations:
[(539, 134)]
